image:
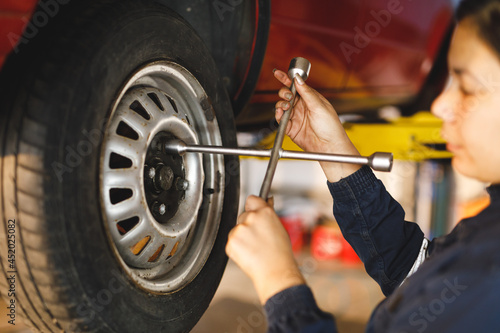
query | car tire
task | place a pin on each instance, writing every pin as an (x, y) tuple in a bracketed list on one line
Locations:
[(87, 106)]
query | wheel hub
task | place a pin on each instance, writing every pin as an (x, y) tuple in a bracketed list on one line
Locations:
[(146, 238), (162, 211), (163, 175)]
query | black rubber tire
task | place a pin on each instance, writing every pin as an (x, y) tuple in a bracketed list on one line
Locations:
[(61, 83)]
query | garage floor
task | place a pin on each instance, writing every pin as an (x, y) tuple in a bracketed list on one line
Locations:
[(342, 289)]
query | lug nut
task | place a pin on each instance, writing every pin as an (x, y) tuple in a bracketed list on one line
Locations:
[(162, 209), (152, 172), (181, 184), (159, 208)]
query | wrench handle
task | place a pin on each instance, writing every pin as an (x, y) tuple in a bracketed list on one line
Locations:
[(275, 152), (302, 67)]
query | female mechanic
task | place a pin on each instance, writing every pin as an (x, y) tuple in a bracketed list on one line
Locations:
[(449, 284)]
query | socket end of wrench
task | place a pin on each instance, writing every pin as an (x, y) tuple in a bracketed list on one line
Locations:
[(176, 146), (300, 66), (381, 161)]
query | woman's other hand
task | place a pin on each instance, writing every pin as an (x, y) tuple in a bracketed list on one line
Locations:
[(261, 247)]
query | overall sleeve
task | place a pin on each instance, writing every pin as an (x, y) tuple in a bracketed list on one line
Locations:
[(373, 223), (295, 310)]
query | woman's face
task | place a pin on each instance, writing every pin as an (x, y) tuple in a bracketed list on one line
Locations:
[(470, 106)]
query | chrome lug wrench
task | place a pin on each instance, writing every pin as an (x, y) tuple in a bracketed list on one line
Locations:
[(377, 161)]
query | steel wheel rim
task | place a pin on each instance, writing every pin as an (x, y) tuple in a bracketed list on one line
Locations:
[(161, 255)]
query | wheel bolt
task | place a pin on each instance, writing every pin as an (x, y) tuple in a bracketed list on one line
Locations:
[(181, 184), (159, 208), (151, 172), (163, 209)]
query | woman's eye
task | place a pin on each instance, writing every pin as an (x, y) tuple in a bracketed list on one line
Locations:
[(466, 92)]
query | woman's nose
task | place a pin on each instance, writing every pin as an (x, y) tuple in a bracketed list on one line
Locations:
[(444, 106)]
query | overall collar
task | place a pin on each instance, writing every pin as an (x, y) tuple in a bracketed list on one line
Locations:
[(494, 192)]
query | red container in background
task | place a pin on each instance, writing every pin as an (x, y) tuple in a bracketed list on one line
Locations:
[(295, 228), (327, 243)]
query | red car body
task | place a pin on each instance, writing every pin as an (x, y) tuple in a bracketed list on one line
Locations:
[(376, 47), (14, 15), (364, 53)]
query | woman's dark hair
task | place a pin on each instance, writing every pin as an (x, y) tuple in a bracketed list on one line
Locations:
[(485, 16)]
